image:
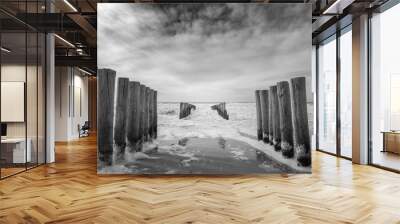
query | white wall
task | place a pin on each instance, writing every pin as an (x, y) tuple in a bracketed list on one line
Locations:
[(62, 81), (79, 117), (33, 127), (12, 73), (70, 83)]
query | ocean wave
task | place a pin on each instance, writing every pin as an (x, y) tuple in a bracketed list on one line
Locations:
[(206, 123)]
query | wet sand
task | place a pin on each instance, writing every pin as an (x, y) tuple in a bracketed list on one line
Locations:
[(198, 156)]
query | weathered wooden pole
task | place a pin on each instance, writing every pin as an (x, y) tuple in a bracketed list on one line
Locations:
[(181, 110), (120, 115), (275, 118), (151, 113), (105, 114), (285, 117), (258, 113), (142, 114), (146, 114), (264, 100), (221, 110), (224, 111), (155, 114), (133, 117), (185, 109), (226, 115), (270, 120), (301, 129)]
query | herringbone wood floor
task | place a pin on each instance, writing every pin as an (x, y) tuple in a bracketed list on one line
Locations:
[(70, 191)]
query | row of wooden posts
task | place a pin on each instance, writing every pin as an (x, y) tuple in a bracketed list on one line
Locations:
[(275, 109), (221, 109), (185, 109), (135, 118)]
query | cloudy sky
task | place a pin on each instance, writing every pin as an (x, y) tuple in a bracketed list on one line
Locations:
[(205, 52)]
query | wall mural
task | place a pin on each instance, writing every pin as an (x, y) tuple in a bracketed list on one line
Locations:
[(204, 88)]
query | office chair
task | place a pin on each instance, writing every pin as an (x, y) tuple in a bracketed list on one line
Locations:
[(84, 130)]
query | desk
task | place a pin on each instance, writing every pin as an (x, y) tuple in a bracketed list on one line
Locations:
[(13, 150), (391, 141)]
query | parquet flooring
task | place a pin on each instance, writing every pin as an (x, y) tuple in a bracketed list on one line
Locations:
[(70, 191)]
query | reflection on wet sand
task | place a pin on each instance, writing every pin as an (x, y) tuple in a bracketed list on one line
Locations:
[(198, 156)]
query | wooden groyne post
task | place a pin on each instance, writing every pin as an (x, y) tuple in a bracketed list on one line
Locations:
[(121, 115), (221, 109), (264, 101), (301, 129), (105, 114), (146, 114), (282, 119), (151, 113), (270, 120), (133, 116), (155, 114), (185, 109), (258, 114), (142, 115), (275, 118), (142, 112), (285, 118)]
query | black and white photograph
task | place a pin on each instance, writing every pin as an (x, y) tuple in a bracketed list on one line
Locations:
[(204, 88)]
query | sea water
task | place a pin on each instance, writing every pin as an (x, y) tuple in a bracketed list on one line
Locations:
[(205, 143), (206, 123)]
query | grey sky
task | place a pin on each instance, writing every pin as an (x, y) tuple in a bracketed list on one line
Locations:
[(205, 52)]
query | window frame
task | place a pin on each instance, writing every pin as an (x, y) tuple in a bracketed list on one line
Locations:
[(334, 37)]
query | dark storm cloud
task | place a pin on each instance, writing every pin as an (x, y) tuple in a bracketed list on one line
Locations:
[(199, 19), (209, 19), (205, 52)]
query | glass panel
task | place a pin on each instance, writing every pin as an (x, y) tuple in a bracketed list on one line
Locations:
[(41, 99), (385, 84), (327, 96), (346, 94), (31, 88), (23, 90), (31, 98), (13, 87)]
